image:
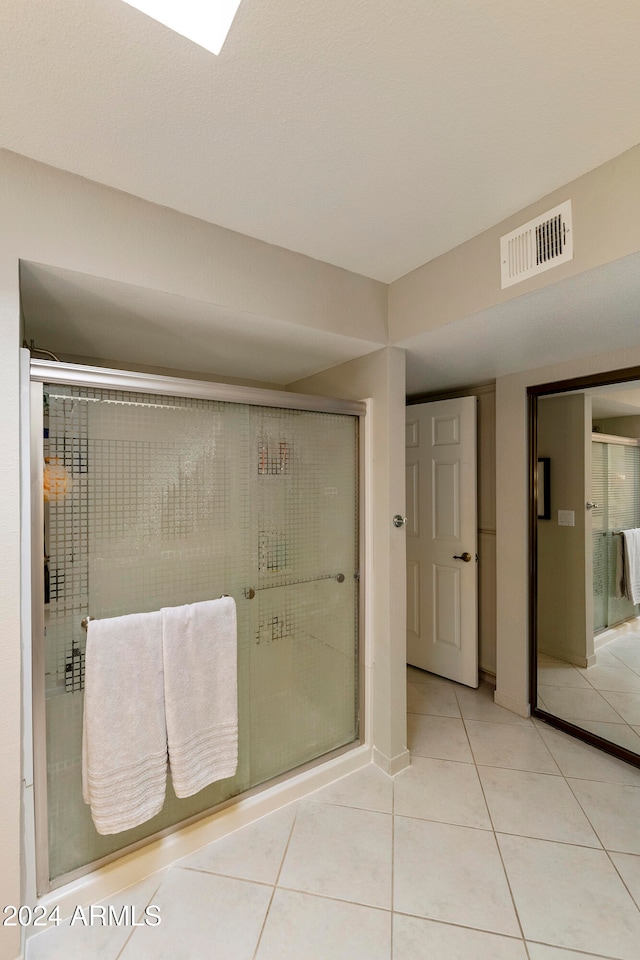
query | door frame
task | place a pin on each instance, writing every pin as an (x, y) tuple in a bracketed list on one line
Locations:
[(533, 393)]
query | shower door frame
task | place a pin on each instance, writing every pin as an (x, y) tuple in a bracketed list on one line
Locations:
[(34, 715)]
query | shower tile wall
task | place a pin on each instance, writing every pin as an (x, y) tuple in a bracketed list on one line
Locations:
[(174, 501)]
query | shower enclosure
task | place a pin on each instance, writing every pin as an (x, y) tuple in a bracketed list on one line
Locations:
[(166, 492), (615, 490)]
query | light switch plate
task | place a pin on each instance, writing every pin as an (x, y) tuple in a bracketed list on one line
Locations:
[(566, 518)]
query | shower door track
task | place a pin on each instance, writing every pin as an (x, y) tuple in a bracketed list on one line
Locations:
[(46, 371)]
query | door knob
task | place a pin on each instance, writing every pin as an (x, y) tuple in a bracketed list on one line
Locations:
[(591, 505), (465, 556), (399, 520)]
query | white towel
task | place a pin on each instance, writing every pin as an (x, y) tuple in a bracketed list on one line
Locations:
[(632, 564), (124, 769), (201, 692)]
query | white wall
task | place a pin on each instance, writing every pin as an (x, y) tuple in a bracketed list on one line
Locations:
[(51, 217), (512, 504)]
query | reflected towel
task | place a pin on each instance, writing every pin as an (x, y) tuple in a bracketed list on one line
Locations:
[(631, 540), (199, 643), (124, 744)]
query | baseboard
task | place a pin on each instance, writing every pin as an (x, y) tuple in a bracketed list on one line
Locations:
[(520, 707), (391, 765)]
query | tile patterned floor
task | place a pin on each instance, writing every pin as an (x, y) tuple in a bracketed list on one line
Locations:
[(505, 840), (603, 698)]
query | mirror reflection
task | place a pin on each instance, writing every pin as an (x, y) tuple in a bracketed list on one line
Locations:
[(588, 563)]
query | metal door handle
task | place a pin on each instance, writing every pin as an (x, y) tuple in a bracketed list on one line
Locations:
[(591, 505), (465, 556)]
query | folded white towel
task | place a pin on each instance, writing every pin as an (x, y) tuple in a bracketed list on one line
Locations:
[(201, 692), (124, 769), (632, 564)]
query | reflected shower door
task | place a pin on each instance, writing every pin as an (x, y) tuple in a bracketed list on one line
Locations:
[(616, 490), (157, 501)]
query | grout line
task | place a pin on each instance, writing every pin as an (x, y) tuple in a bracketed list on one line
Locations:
[(275, 885), (563, 843), (504, 868), (622, 880), (570, 951), (149, 901), (604, 847), (225, 876), (334, 899)]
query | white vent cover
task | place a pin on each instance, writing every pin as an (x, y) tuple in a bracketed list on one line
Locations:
[(537, 246)]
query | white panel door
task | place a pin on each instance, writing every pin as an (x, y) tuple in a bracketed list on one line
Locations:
[(442, 615)]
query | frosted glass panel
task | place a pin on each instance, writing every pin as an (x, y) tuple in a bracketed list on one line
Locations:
[(157, 501), (600, 535), (623, 510), (615, 487), (303, 669)]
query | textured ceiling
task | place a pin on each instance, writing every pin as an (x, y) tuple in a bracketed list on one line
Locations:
[(368, 134)]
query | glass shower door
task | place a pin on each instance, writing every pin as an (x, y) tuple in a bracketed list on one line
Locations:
[(616, 490), (303, 615), (154, 501)]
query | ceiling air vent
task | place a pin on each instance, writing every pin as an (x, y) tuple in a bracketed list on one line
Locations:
[(537, 246)]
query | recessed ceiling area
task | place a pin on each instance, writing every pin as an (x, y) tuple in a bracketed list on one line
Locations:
[(371, 135), (594, 312), (78, 315), (75, 314)]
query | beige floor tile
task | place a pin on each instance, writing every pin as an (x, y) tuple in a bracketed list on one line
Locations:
[(573, 704), (94, 940), (417, 939), (581, 760), (539, 951), (619, 679), (557, 673), (253, 853), (443, 790), (535, 805), (303, 927), (628, 866), (367, 789), (340, 852), (442, 738), (509, 745), (614, 812), (202, 916), (415, 675), (626, 649), (567, 896), (432, 698), (625, 704), (479, 705), (620, 733), (448, 872), (453, 874)]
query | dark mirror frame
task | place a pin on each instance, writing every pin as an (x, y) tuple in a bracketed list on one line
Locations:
[(533, 392)]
